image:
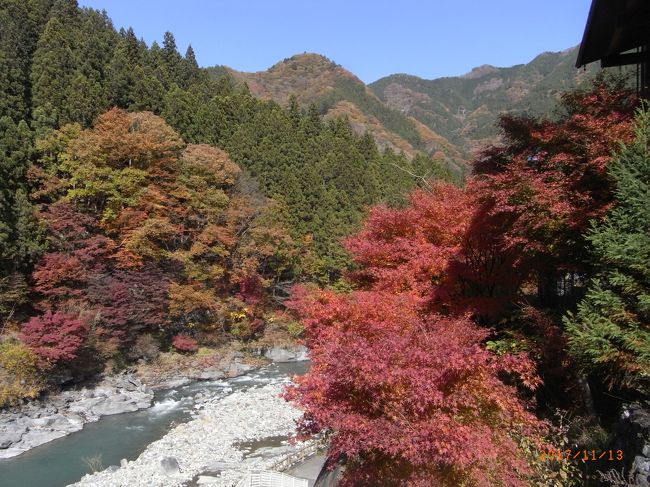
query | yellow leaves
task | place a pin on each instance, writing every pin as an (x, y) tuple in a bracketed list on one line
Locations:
[(295, 329), (55, 144), (197, 270), (215, 272), (238, 315), (185, 299), (211, 165), (19, 373), (146, 240), (206, 176)]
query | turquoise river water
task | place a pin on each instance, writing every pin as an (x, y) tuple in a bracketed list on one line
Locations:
[(61, 462)]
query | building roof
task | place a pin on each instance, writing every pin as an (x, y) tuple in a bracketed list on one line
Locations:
[(614, 27)]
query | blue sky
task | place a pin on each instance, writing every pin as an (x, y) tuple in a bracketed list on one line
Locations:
[(427, 38)]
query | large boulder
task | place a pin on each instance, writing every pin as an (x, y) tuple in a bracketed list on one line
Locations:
[(632, 436), (170, 466), (114, 405), (211, 373), (237, 368), (296, 353), (11, 434)]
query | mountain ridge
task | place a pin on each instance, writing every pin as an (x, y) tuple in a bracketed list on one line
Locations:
[(464, 109), (450, 117), (314, 79)]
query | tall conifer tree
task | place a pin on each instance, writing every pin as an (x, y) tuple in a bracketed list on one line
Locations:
[(610, 333)]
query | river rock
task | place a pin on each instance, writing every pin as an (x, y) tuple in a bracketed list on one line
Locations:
[(207, 480), (174, 382), (220, 466), (57, 415), (286, 354), (169, 466), (237, 368), (42, 421), (115, 405), (85, 405), (12, 434), (211, 373), (34, 438)]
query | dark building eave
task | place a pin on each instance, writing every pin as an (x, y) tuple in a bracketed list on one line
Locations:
[(614, 27)]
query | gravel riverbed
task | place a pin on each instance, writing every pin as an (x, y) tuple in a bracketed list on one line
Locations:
[(60, 414), (210, 442)]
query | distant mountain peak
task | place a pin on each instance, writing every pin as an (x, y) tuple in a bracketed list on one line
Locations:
[(305, 75), (306, 59), (481, 71), (313, 78), (465, 109)]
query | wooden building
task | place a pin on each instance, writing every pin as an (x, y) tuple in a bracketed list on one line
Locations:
[(618, 34)]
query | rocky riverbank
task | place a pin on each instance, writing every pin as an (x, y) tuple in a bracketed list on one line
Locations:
[(60, 414), (174, 370), (221, 364), (211, 443), (57, 415)]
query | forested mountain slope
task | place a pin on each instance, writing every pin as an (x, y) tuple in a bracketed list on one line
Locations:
[(465, 109), (63, 64), (313, 78), (449, 118)]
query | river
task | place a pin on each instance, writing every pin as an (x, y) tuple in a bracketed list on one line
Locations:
[(61, 462)]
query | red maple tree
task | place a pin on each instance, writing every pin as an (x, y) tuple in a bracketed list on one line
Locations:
[(55, 337), (400, 377), (540, 190), (410, 397)]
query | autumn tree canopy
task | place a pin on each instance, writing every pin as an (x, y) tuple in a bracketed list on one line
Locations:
[(399, 375), (443, 331), (146, 234)]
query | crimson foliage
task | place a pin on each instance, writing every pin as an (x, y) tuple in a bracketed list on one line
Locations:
[(185, 343), (540, 190), (130, 301), (409, 396), (399, 375), (55, 337)]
